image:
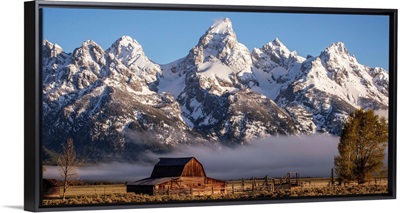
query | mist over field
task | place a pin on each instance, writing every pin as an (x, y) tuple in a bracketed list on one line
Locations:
[(273, 156)]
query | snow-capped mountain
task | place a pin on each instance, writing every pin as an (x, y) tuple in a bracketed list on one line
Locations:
[(216, 71), (275, 67), (105, 101), (119, 103), (130, 53), (219, 62), (331, 86)]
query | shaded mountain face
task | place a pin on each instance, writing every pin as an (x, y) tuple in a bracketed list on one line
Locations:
[(106, 101), (117, 104)]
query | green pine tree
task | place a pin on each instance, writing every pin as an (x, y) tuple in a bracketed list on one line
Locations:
[(361, 147)]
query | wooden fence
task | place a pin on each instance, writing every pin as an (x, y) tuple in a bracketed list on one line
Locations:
[(209, 190), (258, 185)]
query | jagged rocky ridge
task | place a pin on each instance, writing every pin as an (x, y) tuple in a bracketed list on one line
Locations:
[(118, 104)]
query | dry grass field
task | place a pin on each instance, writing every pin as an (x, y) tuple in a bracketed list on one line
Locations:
[(97, 194)]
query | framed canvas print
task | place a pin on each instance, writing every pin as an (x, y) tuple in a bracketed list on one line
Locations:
[(158, 105)]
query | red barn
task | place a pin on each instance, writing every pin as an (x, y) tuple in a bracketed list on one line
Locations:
[(176, 176)]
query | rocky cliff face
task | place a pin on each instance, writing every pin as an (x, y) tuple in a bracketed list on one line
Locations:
[(331, 86), (106, 101), (118, 104)]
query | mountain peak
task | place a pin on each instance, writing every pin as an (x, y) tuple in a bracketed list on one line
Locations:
[(221, 26), (127, 38), (126, 49), (89, 50), (47, 43), (126, 41), (89, 43), (220, 42), (278, 47), (51, 50), (277, 42), (337, 47)]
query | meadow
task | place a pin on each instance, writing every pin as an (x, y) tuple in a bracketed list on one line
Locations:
[(243, 189)]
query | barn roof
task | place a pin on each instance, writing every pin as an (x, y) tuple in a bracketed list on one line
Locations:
[(170, 167), (174, 161), (152, 181)]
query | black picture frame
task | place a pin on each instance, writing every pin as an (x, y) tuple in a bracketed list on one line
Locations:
[(33, 111)]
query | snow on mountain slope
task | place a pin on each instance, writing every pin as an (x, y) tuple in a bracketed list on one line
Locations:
[(251, 115), (217, 69), (330, 87), (172, 81), (105, 100), (275, 67), (337, 73), (118, 103), (130, 53), (216, 66), (218, 61)]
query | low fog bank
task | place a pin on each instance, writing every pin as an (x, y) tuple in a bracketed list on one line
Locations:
[(116, 172), (273, 156)]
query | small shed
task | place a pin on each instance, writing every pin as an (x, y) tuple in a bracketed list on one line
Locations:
[(177, 176)]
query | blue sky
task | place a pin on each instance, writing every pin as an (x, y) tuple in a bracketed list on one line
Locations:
[(169, 35)]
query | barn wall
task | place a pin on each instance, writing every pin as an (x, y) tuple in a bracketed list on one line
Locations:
[(193, 181), (193, 169), (182, 185), (189, 178), (215, 182), (174, 184), (192, 185)]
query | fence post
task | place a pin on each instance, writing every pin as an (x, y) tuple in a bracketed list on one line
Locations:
[(233, 189), (191, 190), (242, 184), (273, 185), (330, 186), (253, 185), (212, 188)]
